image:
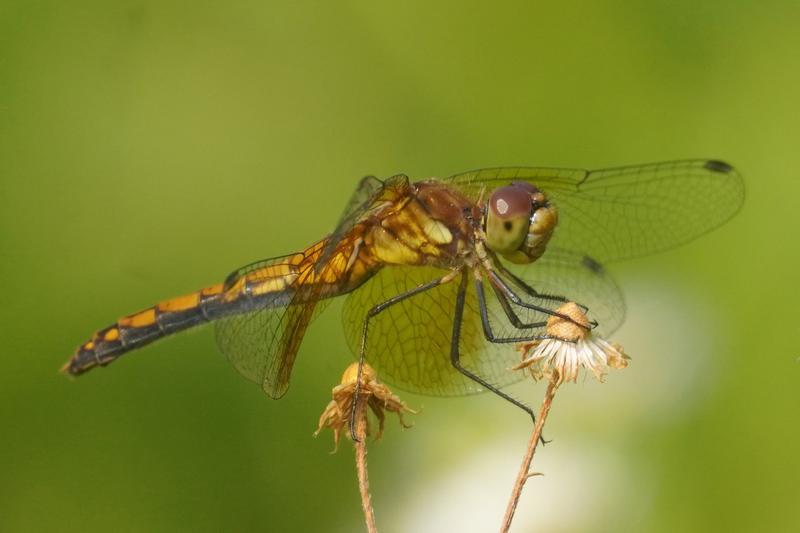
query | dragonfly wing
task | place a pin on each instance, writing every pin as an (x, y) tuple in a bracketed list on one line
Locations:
[(273, 303), (278, 298), (579, 278), (409, 343), (370, 196), (626, 212)]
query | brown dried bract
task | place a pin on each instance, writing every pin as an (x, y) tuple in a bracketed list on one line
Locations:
[(373, 393)]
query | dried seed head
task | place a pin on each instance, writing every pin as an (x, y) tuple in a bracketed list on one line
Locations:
[(571, 347), (569, 330)]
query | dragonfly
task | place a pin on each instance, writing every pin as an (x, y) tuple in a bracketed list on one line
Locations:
[(443, 276)]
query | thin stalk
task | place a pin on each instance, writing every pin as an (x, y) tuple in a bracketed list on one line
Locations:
[(361, 466), (525, 469)]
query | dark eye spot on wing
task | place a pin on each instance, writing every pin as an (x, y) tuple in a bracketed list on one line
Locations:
[(718, 166), (507, 225), (230, 280), (592, 264)]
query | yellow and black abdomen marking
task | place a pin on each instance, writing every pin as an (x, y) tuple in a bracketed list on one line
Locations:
[(271, 284), (144, 327), (267, 285)]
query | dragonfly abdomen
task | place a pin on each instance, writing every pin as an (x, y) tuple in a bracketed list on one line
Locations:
[(136, 330), (290, 280)]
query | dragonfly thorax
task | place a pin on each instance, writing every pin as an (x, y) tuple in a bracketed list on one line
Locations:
[(518, 222)]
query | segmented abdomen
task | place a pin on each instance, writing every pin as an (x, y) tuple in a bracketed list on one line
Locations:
[(272, 284), (134, 331)]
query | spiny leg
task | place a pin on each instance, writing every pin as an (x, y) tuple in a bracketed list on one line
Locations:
[(487, 326), (530, 291), (365, 330), (509, 311), (511, 314), (455, 357), (487, 330), (522, 284), (498, 282)]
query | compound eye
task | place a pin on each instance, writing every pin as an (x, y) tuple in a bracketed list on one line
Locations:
[(511, 201), (508, 218), (530, 187)]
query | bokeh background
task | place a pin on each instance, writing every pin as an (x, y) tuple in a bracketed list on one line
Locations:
[(148, 148)]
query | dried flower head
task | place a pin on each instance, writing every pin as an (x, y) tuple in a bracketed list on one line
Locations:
[(372, 393), (571, 346)]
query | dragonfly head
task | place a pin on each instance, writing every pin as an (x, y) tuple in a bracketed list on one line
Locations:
[(519, 222)]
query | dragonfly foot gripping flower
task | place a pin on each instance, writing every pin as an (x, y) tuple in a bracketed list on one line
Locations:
[(571, 346)]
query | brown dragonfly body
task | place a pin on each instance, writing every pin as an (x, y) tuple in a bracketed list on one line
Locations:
[(422, 224), (416, 258)]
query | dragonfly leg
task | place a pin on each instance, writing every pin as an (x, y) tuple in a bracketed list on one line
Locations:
[(499, 283), (530, 291), (450, 276), (508, 311), (455, 358), (487, 326)]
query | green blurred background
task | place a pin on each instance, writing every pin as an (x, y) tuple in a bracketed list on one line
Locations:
[(148, 148)]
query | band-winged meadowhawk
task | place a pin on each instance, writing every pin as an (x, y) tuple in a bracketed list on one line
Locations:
[(444, 275)]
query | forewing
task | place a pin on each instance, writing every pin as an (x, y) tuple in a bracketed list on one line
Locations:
[(625, 212), (366, 199)]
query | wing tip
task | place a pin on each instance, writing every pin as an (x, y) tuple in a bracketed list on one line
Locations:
[(716, 165)]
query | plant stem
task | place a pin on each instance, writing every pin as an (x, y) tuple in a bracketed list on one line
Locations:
[(361, 466), (525, 469)]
